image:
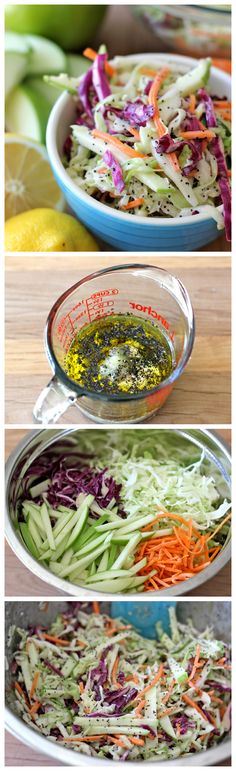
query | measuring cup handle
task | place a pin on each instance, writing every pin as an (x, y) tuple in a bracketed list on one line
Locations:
[(53, 401)]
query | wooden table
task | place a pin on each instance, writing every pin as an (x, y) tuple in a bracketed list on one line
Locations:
[(202, 395), (19, 581)]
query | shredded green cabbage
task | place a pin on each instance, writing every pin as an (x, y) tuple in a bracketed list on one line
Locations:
[(87, 673)]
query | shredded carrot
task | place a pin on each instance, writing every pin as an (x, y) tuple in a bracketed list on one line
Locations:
[(34, 684), (192, 103), (52, 638), (91, 54), (170, 515), (122, 146), (81, 686), (96, 607), (167, 712), (193, 704), (138, 709), (148, 71), (133, 204), (217, 700), (219, 104), (133, 679), (133, 740), (135, 133), (114, 673), (116, 740), (152, 98), (20, 691), (226, 115), (223, 64), (202, 134), (169, 692), (175, 557), (111, 630), (35, 707), (210, 537), (222, 711), (150, 685), (204, 736), (214, 553), (195, 663)]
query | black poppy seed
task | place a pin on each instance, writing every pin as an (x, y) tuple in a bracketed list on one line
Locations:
[(146, 362)]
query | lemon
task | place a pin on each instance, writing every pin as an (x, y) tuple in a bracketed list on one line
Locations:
[(47, 230), (29, 181)]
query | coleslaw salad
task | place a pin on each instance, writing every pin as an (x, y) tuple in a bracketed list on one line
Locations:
[(94, 684), (141, 142)]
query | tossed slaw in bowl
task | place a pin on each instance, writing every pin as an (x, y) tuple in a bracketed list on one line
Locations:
[(94, 684), (149, 140)]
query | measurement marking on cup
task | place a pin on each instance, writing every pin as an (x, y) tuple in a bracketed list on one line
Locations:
[(97, 308), (155, 315)]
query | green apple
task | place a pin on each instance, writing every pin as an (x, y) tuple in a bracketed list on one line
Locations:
[(17, 55), (76, 65), (39, 86), (27, 113), (71, 26)]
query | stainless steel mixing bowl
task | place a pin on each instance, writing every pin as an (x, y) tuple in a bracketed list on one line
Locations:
[(36, 442), (215, 613)]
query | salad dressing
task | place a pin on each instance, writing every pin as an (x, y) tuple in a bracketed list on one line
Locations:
[(121, 353)]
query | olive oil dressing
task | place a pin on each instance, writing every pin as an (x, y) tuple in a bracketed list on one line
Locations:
[(120, 354)]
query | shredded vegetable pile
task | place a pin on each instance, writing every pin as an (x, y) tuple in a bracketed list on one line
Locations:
[(150, 140), (94, 684), (124, 511)]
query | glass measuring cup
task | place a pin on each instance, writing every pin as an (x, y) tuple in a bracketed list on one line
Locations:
[(146, 292)]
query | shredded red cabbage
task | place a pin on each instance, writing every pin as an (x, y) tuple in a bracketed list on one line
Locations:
[(54, 669), (137, 113), (218, 686), (151, 730), (167, 145), (67, 147), (99, 675), (86, 81), (190, 123), (116, 170), (99, 78), (218, 152), (120, 697), (147, 87), (223, 184), (56, 732), (183, 723), (209, 108), (67, 483)]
